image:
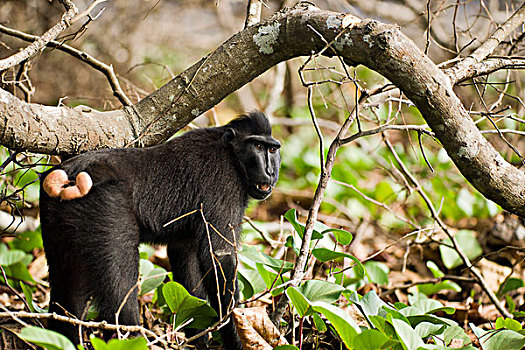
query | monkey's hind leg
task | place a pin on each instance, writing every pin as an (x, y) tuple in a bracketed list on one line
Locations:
[(69, 297), (185, 268), (115, 269), (221, 286)]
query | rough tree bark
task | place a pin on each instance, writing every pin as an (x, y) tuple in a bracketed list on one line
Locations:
[(294, 32)]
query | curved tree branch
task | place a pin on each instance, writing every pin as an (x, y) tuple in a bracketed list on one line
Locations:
[(287, 34)]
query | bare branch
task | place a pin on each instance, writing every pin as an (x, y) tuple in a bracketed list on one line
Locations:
[(60, 130), (326, 173), (87, 324), (463, 69), (253, 12), (492, 65), (104, 68), (41, 42), (477, 274)]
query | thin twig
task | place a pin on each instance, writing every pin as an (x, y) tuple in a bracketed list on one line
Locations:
[(253, 12), (300, 264), (88, 324), (464, 68), (41, 42), (477, 274), (102, 67)]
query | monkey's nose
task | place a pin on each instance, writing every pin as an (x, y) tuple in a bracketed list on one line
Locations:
[(269, 170)]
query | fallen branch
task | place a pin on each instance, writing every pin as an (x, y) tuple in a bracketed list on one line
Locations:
[(88, 324)]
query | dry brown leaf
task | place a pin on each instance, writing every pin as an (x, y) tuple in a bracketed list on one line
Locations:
[(493, 273), (38, 268), (256, 330)]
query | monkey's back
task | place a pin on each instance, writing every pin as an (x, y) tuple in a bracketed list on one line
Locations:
[(153, 184)]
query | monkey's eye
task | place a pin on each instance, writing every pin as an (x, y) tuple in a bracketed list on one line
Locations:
[(272, 149), (258, 146)]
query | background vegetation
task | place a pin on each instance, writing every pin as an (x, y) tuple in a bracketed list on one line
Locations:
[(382, 271)]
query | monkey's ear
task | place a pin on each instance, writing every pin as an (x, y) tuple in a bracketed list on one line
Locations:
[(228, 135)]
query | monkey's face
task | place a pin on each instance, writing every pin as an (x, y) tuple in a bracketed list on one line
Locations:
[(259, 159), (262, 160)]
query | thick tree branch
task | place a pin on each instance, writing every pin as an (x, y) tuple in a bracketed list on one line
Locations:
[(289, 33), (60, 130)]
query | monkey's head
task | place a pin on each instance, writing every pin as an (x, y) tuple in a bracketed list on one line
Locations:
[(256, 152)]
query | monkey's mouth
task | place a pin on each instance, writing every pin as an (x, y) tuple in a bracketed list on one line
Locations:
[(266, 188), (260, 190)]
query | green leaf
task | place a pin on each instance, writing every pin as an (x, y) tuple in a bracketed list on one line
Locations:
[(425, 329), (342, 322), (28, 241), (186, 306), (286, 347), (291, 216), (372, 304), (272, 280), (341, 236), (19, 271), (290, 243), (468, 244), (247, 287), (151, 276), (267, 276), (324, 255), (407, 335), (508, 323), (455, 332), (254, 254), (119, 344), (316, 290), (312, 291), (253, 277), (436, 272), (147, 249), (499, 339), (415, 320), (413, 298), (382, 191), (381, 324), (301, 304), (510, 284), (46, 338), (428, 306), (369, 339), (10, 257), (377, 271), (433, 288), (394, 314), (28, 294), (319, 323)]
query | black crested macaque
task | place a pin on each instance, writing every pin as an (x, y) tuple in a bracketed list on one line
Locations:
[(91, 239)]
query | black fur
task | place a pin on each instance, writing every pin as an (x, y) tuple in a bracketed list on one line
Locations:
[(91, 243)]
